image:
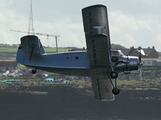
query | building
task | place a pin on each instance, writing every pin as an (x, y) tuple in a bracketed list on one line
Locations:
[(8, 65), (150, 59), (149, 52), (149, 62)]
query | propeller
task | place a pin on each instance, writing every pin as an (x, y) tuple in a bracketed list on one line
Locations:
[(141, 52)]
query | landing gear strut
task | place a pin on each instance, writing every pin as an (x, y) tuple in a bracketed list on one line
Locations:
[(114, 75)]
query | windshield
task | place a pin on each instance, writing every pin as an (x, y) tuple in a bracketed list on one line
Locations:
[(120, 53), (116, 53)]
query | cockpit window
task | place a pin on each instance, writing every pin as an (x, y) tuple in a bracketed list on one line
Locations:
[(114, 53), (117, 53), (121, 54)]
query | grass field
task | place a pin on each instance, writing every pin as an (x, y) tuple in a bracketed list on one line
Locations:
[(34, 81), (8, 50), (49, 49), (9, 53)]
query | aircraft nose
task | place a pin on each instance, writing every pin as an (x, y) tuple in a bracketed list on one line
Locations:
[(134, 63)]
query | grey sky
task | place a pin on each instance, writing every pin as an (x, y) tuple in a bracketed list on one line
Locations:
[(132, 22)]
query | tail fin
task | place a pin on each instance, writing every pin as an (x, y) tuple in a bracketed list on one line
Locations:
[(30, 45)]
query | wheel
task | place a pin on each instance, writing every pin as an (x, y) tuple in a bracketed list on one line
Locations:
[(33, 71), (113, 75), (115, 91)]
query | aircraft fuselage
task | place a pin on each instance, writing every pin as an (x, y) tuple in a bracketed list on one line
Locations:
[(77, 63)]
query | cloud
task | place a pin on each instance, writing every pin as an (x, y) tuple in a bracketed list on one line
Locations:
[(121, 21), (158, 38), (132, 30), (5, 38), (70, 34), (134, 24), (129, 39)]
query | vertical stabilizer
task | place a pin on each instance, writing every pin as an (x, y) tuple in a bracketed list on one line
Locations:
[(30, 46)]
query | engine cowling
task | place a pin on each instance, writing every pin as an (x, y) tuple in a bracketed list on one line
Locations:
[(127, 72)]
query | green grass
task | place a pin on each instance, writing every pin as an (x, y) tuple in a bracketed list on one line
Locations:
[(37, 92), (122, 84), (80, 83), (138, 84), (8, 50), (9, 53), (49, 49), (126, 82)]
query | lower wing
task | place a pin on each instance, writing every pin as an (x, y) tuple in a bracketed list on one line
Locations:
[(102, 88)]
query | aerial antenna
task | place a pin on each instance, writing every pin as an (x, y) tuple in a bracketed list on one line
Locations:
[(31, 25), (31, 29)]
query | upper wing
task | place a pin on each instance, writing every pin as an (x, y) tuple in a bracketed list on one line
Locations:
[(97, 35)]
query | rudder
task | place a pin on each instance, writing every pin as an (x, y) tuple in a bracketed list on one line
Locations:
[(30, 46)]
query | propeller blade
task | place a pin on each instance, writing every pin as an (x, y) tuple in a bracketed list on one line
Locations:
[(139, 57), (142, 52)]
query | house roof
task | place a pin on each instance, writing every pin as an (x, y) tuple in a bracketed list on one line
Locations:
[(134, 51)]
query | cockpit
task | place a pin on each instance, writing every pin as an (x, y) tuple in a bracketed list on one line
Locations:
[(116, 53)]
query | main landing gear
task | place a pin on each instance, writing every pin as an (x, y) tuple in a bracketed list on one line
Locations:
[(113, 76), (115, 91)]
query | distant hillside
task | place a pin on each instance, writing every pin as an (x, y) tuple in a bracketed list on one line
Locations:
[(117, 46), (9, 52), (113, 46)]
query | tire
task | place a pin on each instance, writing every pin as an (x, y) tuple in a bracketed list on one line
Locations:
[(115, 91), (113, 75), (33, 71)]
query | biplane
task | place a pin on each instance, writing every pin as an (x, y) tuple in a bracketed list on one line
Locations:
[(99, 62)]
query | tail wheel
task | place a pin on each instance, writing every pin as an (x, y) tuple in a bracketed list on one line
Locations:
[(113, 75), (115, 91), (33, 71)]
